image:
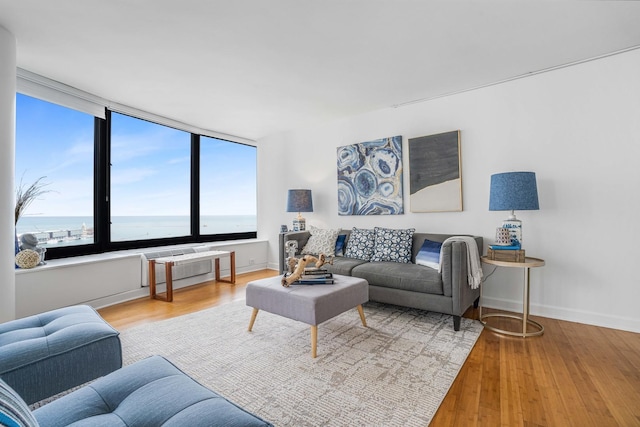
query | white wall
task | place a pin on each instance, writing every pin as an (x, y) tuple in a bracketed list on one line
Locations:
[(578, 128), (7, 148)]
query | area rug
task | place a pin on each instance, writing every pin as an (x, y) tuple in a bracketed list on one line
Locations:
[(395, 372)]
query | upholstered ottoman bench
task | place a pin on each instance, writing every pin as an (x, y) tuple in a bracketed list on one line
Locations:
[(311, 304), (49, 353), (151, 392)]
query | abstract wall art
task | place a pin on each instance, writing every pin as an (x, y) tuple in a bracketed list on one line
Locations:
[(435, 174), (370, 178)]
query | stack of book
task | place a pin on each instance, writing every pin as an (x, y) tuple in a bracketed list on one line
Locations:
[(316, 276)]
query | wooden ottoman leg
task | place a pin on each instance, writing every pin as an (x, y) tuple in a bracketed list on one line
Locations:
[(361, 312), (314, 340), (253, 318)]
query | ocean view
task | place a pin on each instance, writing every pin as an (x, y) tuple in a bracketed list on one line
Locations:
[(78, 230)]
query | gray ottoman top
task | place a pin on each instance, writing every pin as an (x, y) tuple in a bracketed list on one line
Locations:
[(311, 304)]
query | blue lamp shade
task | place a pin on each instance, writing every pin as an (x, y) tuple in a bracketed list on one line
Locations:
[(299, 201), (513, 191)]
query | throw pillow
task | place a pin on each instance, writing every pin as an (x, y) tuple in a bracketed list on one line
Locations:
[(342, 238), (361, 243), (393, 245), (321, 242), (429, 254), (13, 410)]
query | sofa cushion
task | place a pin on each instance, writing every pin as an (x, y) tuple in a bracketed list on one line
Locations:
[(393, 245), (151, 392), (429, 254), (361, 243), (343, 265), (408, 277), (321, 241), (58, 341), (14, 411)]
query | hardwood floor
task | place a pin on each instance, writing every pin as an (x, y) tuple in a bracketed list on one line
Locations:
[(573, 375)]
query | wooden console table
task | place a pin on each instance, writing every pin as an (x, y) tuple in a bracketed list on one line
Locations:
[(170, 261)]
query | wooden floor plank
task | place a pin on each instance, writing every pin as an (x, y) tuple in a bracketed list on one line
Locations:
[(573, 375)]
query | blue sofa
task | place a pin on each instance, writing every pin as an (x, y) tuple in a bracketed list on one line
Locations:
[(151, 392), (48, 353)]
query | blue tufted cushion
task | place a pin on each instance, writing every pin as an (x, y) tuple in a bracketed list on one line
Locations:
[(57, 342), (151, 392), (14, 412)]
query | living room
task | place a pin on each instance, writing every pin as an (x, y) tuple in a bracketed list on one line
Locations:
[(574, 124)]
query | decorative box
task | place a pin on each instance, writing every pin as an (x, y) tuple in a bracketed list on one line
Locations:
[(506, 255)]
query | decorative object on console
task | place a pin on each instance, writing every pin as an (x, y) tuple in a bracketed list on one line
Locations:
[(27, 258), (370, 178), (503, 237), (435, 173), (299, 200), (510, 255), (511, 191)]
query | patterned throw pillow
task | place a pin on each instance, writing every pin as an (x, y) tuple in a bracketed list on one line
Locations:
[(429, 254), (321, 242), (361, 243), (14, 412), (393, 245)]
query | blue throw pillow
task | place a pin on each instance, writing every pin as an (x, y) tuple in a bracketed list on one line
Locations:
[(340, 244), (429, 254), (14, 412)]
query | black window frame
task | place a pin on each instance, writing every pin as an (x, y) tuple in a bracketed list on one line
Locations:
[(101, 205)]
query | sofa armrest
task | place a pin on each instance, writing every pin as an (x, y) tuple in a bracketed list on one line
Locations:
[(454, 275), (300, 236)]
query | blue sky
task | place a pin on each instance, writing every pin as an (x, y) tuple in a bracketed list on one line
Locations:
[(150, 165)]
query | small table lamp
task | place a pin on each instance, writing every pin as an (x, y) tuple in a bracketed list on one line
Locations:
[(511, 191), (299, 201)]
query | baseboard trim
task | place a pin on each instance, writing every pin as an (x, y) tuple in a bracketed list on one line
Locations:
[(570, 315)]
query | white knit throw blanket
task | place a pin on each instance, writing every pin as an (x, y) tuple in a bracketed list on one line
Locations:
[(474, 268)]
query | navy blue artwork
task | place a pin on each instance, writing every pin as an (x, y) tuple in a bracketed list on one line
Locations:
[(370, 178)]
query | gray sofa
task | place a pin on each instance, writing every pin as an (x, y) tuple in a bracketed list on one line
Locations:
[(408, 284)]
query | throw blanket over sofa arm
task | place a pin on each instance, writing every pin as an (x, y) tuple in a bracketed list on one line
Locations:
[(455, 278)]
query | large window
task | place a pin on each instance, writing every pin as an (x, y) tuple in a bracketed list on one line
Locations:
[(56, 146), (228, 208), (150, 180), (121, 182)]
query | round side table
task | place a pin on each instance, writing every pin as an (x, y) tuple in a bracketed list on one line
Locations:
[(527, 265)]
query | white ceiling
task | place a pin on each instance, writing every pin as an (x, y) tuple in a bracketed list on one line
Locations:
[(252, 68)]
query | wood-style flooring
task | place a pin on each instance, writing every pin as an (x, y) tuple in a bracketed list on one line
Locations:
[(573, 375)]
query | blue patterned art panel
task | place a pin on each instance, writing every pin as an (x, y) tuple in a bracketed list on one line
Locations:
[(370, 178)]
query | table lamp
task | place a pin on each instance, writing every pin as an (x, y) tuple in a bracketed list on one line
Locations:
[(512, 191), (299, 201)]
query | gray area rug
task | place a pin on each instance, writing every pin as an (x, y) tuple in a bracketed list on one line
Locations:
[(393, 373)]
